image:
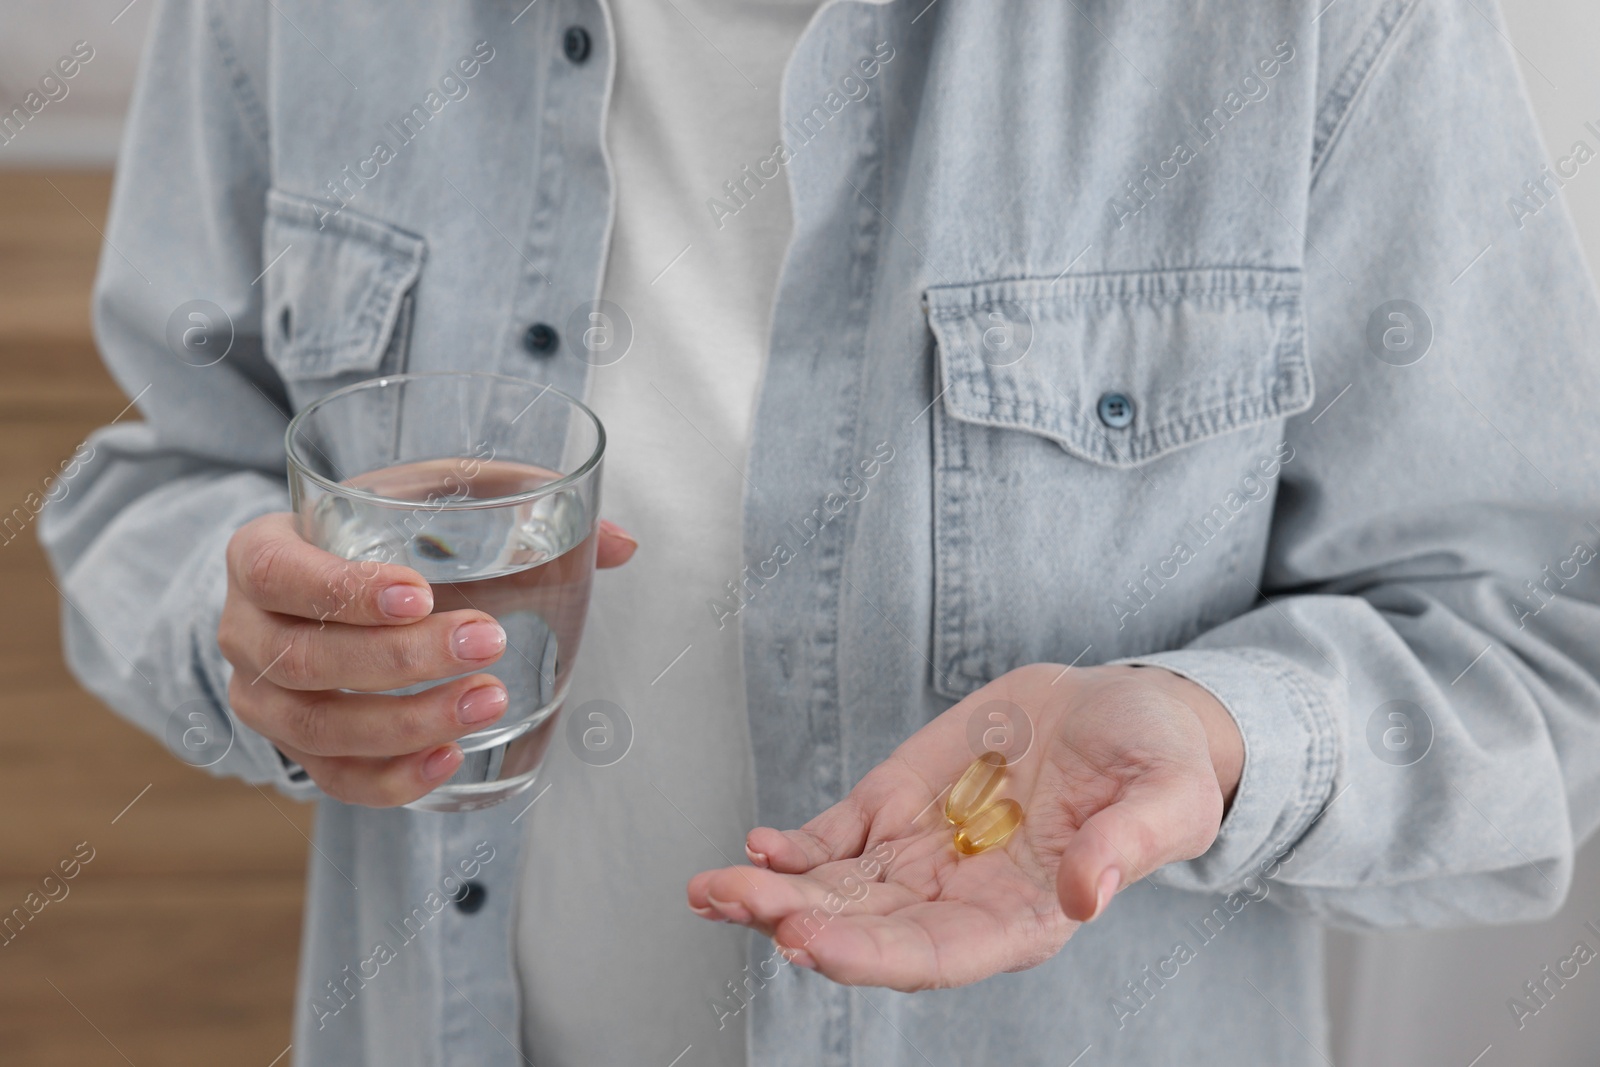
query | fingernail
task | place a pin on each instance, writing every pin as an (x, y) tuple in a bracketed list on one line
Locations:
[(481, 704), (1109, 881), (441, 763), (707, 913), (757, 858), (609, 527), (478, 640), (732, 911), (405, 601)]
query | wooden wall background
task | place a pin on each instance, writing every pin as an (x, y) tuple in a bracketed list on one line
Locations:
[(177, 943)]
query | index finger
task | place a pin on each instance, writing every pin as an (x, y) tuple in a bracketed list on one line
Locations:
[(892, 801), (277, 570)]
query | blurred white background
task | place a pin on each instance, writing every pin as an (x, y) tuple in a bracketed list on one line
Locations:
[(84, 128), (1417, 999)]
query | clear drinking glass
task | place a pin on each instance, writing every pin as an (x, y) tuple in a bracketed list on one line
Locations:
[(489, 487)]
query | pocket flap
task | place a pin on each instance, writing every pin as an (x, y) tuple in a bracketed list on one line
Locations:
[(1196, 352), (336, 290)]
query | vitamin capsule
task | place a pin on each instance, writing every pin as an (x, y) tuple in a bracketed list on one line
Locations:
[(975, 788), (430, 547), (988, 828)]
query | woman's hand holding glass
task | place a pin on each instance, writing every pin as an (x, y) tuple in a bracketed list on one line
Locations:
[(315, 640)]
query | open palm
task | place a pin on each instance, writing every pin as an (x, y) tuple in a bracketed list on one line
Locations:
[(1118, 780)]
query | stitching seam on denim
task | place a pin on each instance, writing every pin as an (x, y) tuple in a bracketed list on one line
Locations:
[(1158, 440), (244, 94), (1333, 114), (1322, 746)]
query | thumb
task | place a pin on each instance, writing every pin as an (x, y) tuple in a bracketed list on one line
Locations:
[(616, 545), (1154, 822)]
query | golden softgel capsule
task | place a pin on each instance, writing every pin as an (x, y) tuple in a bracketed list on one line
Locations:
[(989, 827), (975, 788)]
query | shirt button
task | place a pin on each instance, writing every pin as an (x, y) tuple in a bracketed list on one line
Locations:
[(1115, 410), (472, 897), (575, 44), (540, 339)]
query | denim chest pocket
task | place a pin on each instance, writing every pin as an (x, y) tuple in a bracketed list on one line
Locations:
[(339, 293), (1106, 449)]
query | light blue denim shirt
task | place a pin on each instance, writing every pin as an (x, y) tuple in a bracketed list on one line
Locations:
[(1247, 338)]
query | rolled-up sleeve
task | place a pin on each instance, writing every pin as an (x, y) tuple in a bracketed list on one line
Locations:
[(1417, 691), (138, 535)]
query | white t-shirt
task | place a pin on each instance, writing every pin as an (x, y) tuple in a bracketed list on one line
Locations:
[(614, 967)]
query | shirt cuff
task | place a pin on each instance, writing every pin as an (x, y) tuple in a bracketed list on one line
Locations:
[(1292, 748)]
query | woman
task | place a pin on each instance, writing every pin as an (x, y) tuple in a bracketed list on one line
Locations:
[(1165, 396)]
